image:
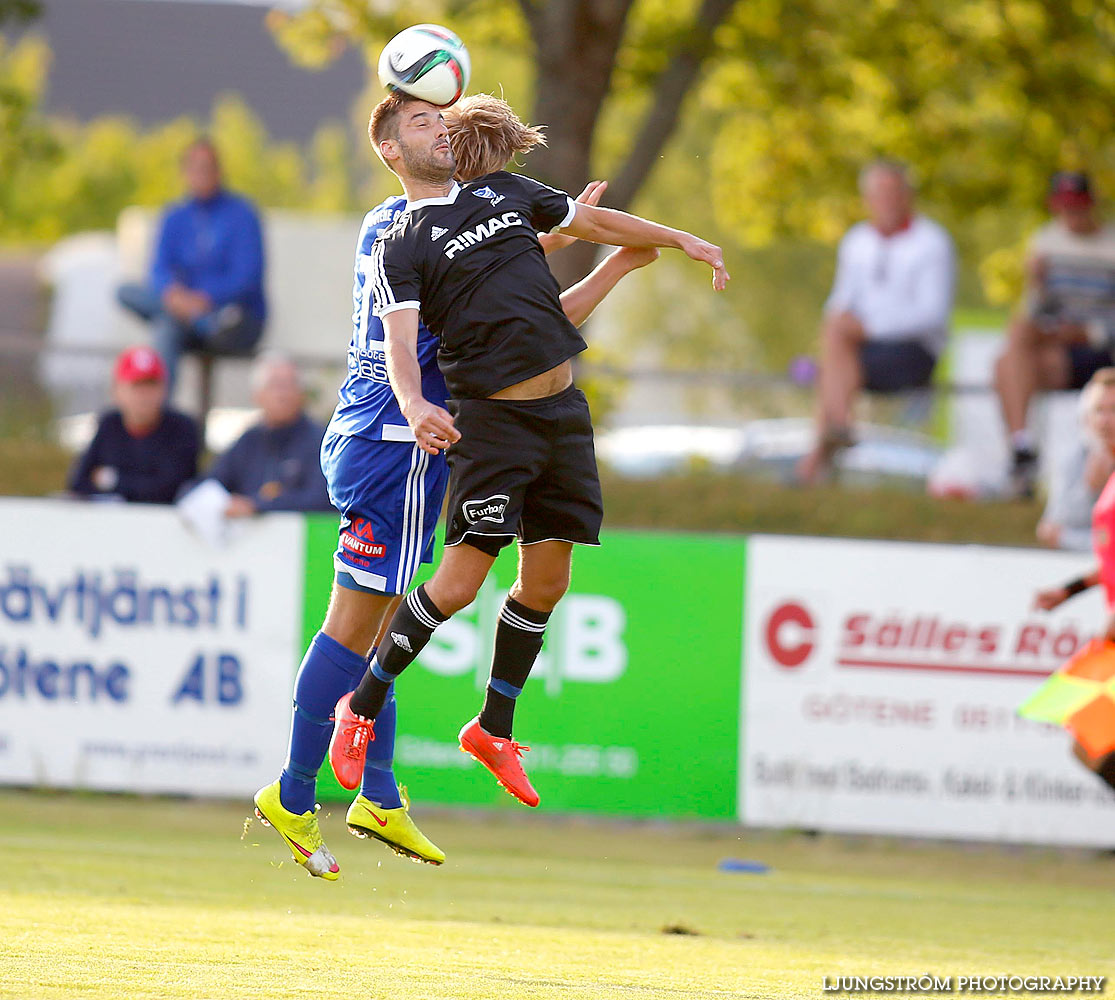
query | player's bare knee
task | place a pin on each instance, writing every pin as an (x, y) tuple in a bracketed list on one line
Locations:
[(541, 593), (450, 594), (355, 636), (354, 617)]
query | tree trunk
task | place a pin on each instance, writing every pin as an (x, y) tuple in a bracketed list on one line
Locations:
[(670, 91), (576, 43)]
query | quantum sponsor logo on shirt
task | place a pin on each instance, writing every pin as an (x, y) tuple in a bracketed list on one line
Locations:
[(480, 232), (358, 538), (491, 509)]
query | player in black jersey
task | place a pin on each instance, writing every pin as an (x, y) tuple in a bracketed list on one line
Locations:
[(518, 431)]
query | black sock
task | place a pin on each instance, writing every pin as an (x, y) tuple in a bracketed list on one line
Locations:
[(519, 635), (406, 637)]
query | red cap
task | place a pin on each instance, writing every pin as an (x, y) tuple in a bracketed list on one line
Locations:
[(139, 364), (1070, 189)]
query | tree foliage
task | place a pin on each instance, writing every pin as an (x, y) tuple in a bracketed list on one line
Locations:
[(58, 177), (747, 122), (983, 97), (19, 11)]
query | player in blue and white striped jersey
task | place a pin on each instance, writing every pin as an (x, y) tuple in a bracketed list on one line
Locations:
[(389, 493)]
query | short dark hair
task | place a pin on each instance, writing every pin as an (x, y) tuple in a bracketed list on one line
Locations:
[(384, 122)]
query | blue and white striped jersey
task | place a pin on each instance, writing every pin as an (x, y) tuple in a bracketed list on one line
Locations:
[(366, 405)]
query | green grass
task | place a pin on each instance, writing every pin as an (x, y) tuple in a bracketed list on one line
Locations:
[(717, 501), (150, 898), (698, 501), (32, 463)]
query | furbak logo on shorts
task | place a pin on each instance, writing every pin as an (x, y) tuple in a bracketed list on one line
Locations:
[(358, 538), (486, 510), (482, 230)]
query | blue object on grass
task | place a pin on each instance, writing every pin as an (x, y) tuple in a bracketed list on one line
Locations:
[(743, 865)]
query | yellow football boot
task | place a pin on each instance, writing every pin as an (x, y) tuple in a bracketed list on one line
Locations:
[(394, 827), (301, 833)]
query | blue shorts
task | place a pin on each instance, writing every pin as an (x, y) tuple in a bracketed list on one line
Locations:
[(390, 495), (895, 365)]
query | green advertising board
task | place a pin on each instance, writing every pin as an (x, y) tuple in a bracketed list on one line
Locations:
[(633, 706)]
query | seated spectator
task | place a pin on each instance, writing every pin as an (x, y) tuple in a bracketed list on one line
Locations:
[(1075, 486), (205, 289), (142, 451), (887, 317), (1065, 330), (275, 465)]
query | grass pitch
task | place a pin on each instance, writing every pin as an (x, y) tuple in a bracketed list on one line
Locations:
[(151, 898)]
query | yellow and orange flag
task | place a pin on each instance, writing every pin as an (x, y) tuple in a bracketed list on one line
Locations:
[(1081, 697)]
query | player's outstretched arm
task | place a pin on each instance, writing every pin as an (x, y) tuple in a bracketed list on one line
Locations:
[(1053, 597), (433, 427), (591, 195), (582, 298), (606, 225)]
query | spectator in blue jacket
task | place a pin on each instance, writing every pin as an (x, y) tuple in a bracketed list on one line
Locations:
[(205, 289), (142, 451), (276, 464)]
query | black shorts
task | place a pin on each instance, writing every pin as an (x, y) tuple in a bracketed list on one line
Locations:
[(895, 365), (526, 469)]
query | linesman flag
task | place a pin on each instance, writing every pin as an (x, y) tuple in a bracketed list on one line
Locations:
[(1081, 697)]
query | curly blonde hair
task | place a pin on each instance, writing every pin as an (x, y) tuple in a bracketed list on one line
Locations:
[(486, 135)]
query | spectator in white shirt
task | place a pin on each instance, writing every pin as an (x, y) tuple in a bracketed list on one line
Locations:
[(887, 317), (1065, 330)]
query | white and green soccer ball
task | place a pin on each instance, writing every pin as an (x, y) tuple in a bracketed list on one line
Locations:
[(426, 61)]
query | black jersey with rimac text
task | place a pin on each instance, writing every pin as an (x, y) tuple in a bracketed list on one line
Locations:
[(472, 263)]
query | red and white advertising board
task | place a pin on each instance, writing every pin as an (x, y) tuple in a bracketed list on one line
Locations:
[(880, 686)]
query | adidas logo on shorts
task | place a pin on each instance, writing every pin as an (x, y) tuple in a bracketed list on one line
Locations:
[(436, 232), (401, 641)]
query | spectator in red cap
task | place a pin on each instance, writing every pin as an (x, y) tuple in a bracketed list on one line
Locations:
[(142, 451), (1065, 330)]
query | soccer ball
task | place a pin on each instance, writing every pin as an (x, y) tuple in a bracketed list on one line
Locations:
[(426, 61)]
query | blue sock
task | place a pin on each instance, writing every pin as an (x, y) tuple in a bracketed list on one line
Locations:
[(379, 783), (328, 671)]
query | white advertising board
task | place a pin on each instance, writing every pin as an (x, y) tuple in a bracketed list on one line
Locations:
[(880, 687), (133, 657)]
